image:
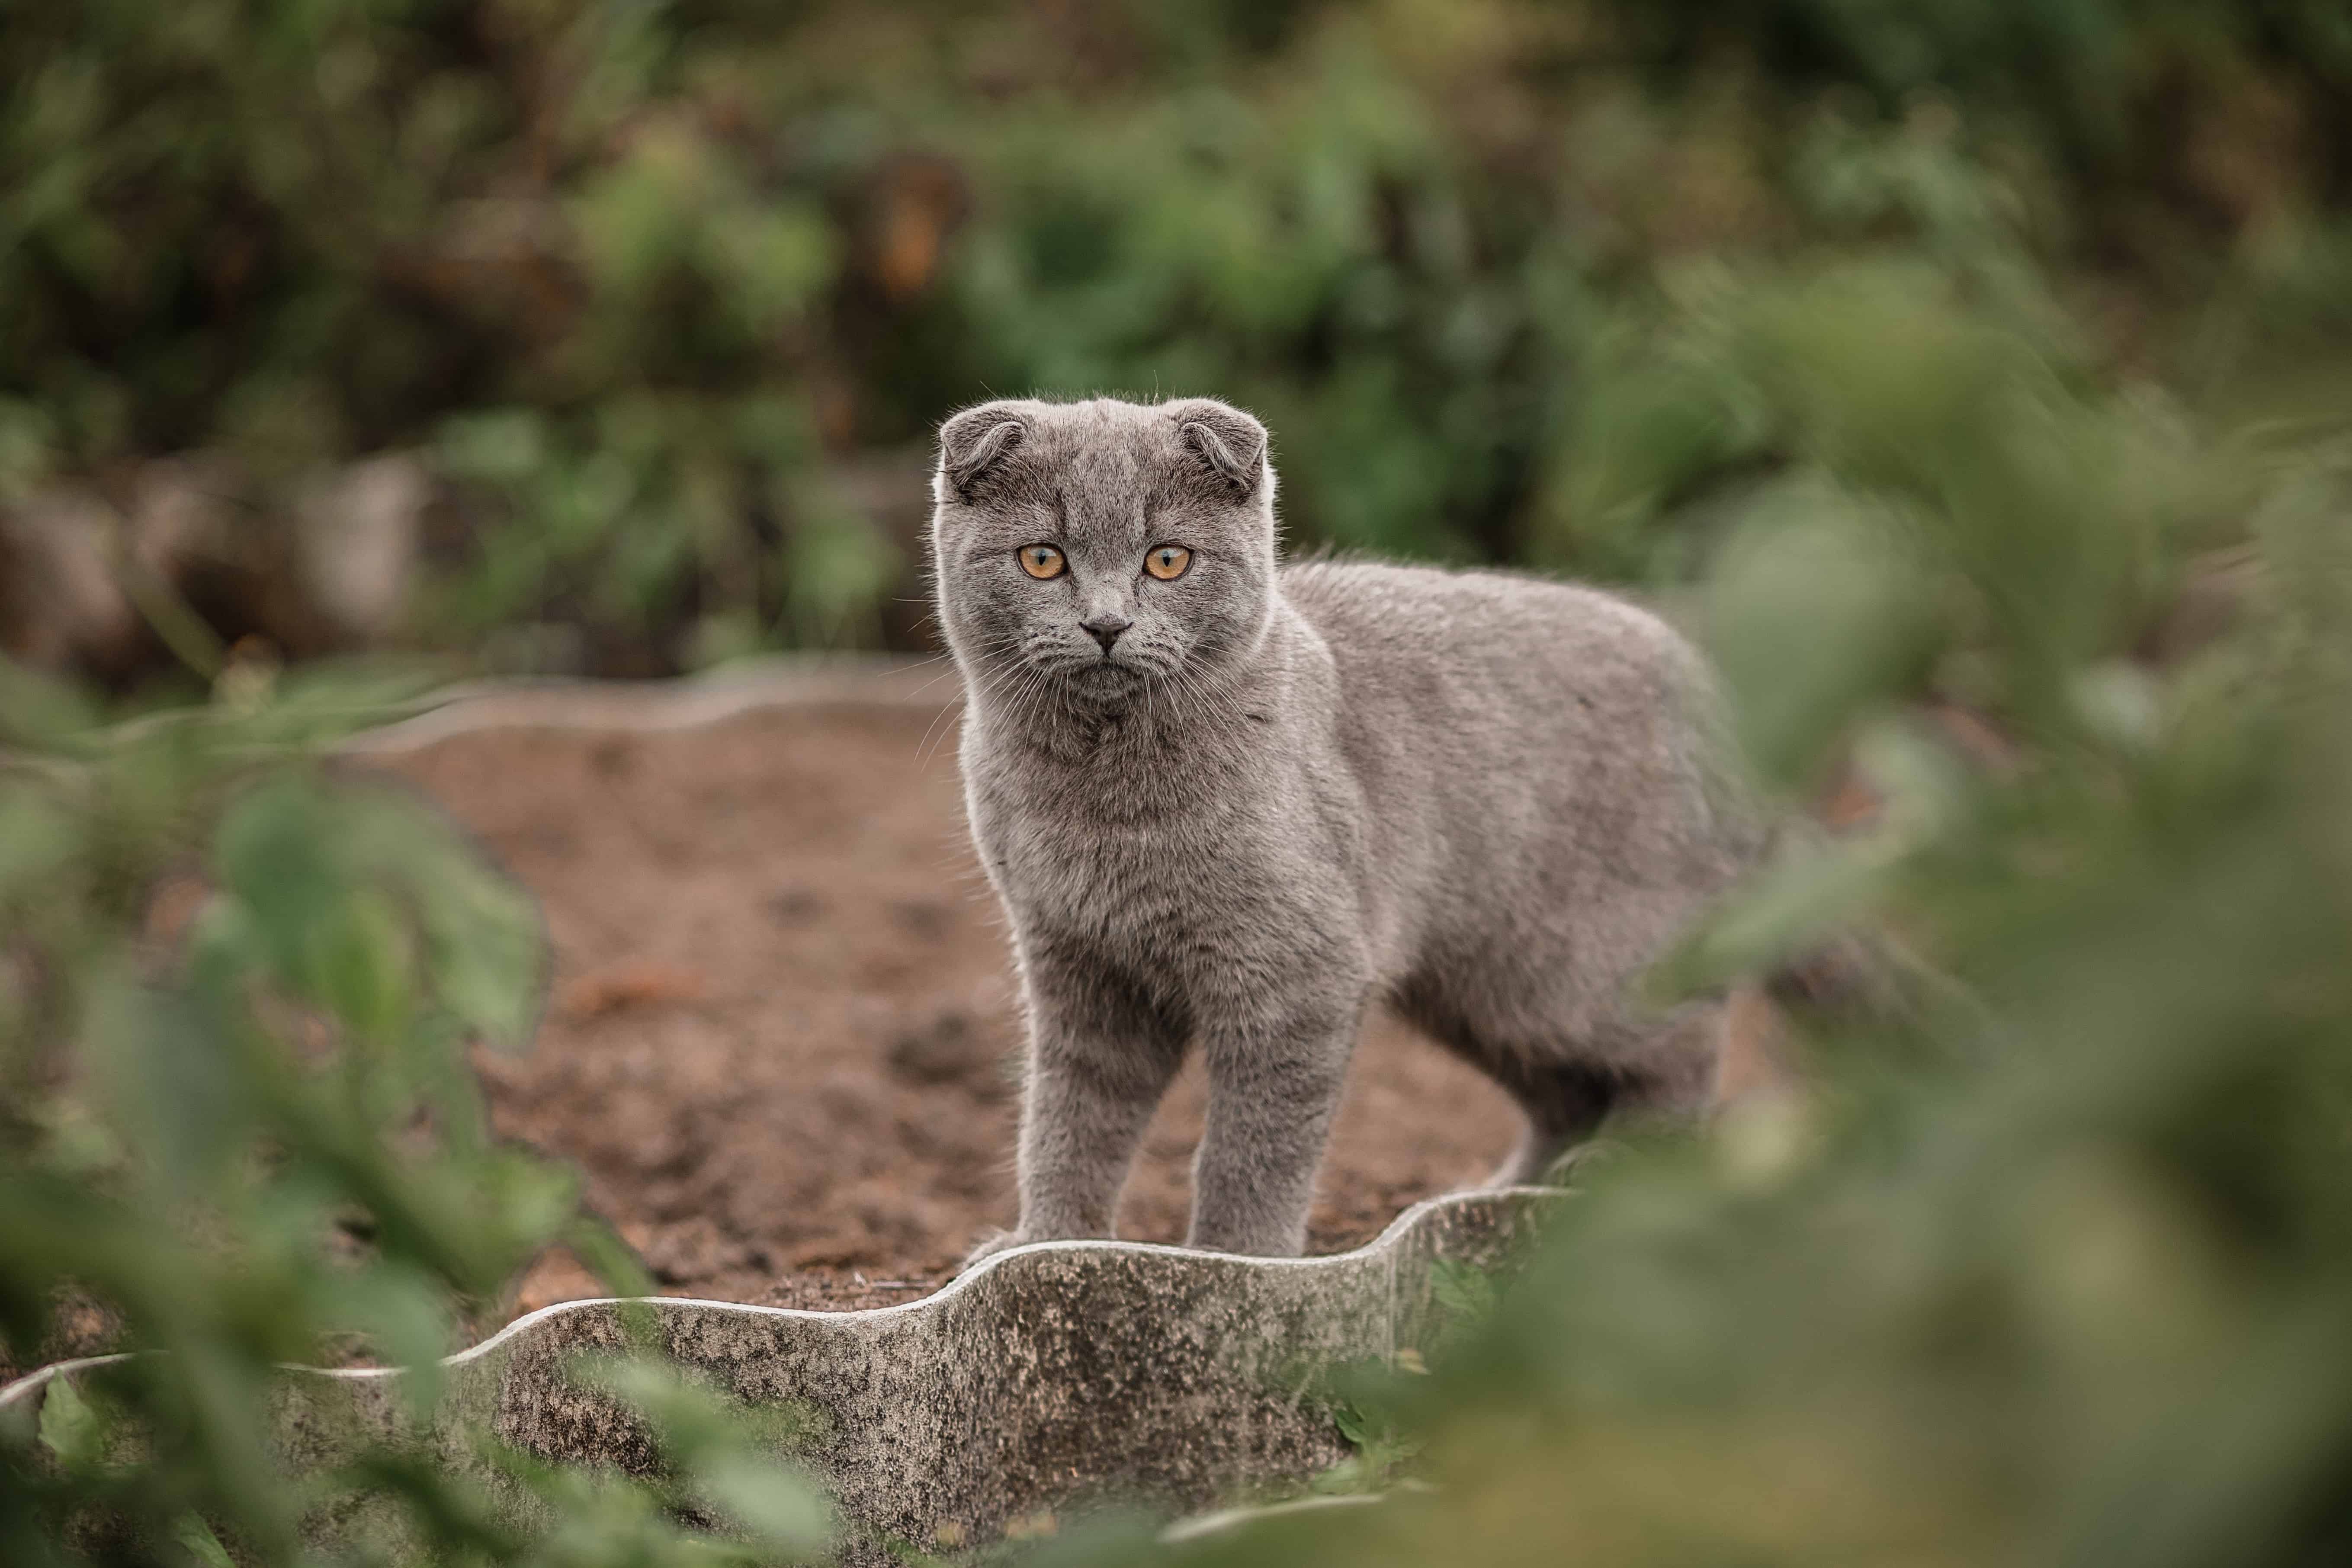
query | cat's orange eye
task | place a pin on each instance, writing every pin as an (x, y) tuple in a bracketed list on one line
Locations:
[(1042, 560), (1167, 561)]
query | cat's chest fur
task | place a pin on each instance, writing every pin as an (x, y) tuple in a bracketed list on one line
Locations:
[(1210, 858)]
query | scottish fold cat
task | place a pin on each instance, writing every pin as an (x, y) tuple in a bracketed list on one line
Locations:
[(1229, 804)]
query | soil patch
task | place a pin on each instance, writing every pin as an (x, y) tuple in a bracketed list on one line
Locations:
[(781, 1040)]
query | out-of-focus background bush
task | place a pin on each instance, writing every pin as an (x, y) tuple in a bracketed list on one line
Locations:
[(1975, 377), (608, 338)]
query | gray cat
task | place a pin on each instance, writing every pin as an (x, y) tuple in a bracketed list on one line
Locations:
[(1231, 805)]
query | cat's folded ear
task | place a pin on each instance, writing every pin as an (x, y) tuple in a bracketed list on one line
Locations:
[(976, 440), (1229, 441)]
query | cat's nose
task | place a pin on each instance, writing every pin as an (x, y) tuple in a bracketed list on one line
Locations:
[(1105, 629)]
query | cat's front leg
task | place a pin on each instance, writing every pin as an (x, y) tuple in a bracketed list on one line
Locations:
[(1272, 1093), (1100, 1058)]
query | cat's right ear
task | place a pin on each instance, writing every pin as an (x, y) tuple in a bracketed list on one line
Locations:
[(976, 440)]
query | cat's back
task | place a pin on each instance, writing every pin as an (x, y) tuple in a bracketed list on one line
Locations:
[(1525, 748), (1491, 644)]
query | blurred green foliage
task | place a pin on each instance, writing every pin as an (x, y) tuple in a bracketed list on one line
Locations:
[(643, 278), (1976, 376), (236, 1116)]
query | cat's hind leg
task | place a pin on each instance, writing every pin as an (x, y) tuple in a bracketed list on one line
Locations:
[(1568, 1085), (1564, 1104), (1662, 1067)]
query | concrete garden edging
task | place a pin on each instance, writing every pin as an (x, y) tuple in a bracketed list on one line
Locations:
[(1049, 1377)]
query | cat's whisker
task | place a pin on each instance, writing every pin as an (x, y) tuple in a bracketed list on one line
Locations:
[(979, 681), (935, 679), (1013, 683), (924, 749)]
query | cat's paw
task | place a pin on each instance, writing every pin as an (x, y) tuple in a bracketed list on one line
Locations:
[(991, 1245)]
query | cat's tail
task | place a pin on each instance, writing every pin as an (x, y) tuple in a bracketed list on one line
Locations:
[(1861, 977), (1852, 980)]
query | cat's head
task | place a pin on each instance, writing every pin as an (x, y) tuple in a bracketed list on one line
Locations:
[(1093, 549)]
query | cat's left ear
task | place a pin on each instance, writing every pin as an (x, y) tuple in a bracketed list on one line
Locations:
[(1229, 441)]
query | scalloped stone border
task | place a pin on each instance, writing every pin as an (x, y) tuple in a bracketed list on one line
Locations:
[(1049, 1377)]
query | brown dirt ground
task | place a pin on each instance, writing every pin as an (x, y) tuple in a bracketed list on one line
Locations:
[(781, 1042)]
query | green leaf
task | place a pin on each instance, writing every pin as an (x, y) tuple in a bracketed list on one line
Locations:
[(503, 447), (406, 1314), (1819, 611), (71, 1426), (776, 1505), (172, 1079), (38, 837), (275, 852), (362, 968), (1799, 898), (37, 710), (196, 1538), (1467, 1293), (486, 950)]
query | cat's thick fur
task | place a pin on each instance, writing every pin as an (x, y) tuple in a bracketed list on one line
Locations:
[(1232, 811)]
